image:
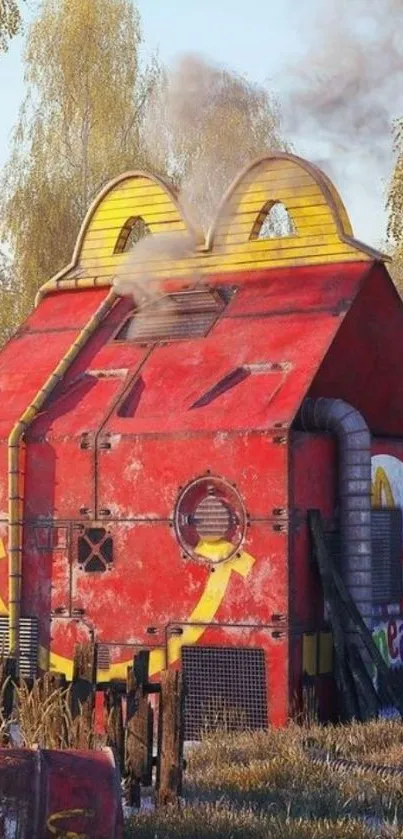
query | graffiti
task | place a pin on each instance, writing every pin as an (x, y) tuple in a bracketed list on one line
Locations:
[(62, 833), (387, 481), (388, 637)]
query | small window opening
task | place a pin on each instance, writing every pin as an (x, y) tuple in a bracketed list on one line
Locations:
[(273, 222), (131, 233), (95, 549)]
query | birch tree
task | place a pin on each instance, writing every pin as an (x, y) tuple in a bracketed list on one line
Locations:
[(78, 127)]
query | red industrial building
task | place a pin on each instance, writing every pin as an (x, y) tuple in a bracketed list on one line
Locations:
[(157, 463)]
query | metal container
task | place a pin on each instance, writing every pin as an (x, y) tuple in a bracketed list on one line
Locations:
[(66, 794)]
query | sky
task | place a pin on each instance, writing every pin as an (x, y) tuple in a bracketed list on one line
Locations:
[(260, 40)]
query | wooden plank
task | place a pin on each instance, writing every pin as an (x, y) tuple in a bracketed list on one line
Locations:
[(110, 233), (115, 733), (8, 677), (137, 733), (333, 584), (133, 209), (171, 748), (134, 187), (225, 264), (265, 251), (291, 177), (291, 201), (135, 196), (260, 197), (148, 213), (318, 225), (84, 684)]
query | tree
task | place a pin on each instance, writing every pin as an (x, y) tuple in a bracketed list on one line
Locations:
[(204, 123), (10, 22), (395, 209), (78, 127)]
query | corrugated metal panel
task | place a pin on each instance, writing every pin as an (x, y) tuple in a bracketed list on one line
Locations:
[(28, 644), (387, 578), (225, 686), (386, 555)]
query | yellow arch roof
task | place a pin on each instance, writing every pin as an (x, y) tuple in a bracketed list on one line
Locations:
[(323, 230)]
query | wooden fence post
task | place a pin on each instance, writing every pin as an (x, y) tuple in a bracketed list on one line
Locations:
[(171, 739), (114, 724), (8, 676), (83, 687)]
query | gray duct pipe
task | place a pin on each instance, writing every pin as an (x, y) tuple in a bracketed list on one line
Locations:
[(354, 458)]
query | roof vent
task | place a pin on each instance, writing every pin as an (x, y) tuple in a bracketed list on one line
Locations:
[(173, 317)]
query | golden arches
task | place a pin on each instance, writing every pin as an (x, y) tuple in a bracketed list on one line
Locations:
[(322, 229), (382, 495)]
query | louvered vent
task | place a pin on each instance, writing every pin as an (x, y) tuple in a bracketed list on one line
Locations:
[(28, 645), (386, 556), (387, 579), (212, 518), (185, 314)]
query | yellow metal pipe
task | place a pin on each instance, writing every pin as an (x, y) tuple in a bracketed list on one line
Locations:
[(15, 470), (71, 284)]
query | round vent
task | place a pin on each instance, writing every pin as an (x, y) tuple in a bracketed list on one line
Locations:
[(210, 519)]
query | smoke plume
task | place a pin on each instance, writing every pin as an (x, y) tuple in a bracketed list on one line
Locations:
[(207, 122), (344, 91), (203, 124)]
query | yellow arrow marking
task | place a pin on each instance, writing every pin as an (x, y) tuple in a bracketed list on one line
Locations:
[(203, 613), (213, 594)]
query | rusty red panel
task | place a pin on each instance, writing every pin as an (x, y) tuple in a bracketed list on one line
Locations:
[(65, 310), (363, 365), (314, 486), (280, 355), (44, 793), (55, 470), (111, 454), (300, 290), (140, 477), (20, 382)]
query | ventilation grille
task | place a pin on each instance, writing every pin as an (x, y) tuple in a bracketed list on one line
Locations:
[(212, 517), (387, 579), (386, 556), (103, 657), (225, 686), (186, 314), (29, 642)]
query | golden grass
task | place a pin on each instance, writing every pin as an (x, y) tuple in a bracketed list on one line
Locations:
[(44, 718), (253, 785), (263, 784)]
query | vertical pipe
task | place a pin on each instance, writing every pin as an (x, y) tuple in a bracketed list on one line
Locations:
[(354, 460), (15, 490)]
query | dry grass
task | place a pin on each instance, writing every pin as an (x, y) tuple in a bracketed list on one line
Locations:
[(44, 718), (223, 822), (263, 784), (256, 785)]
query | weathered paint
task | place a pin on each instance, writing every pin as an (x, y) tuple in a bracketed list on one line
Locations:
[(65, 794), (89, 465)]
